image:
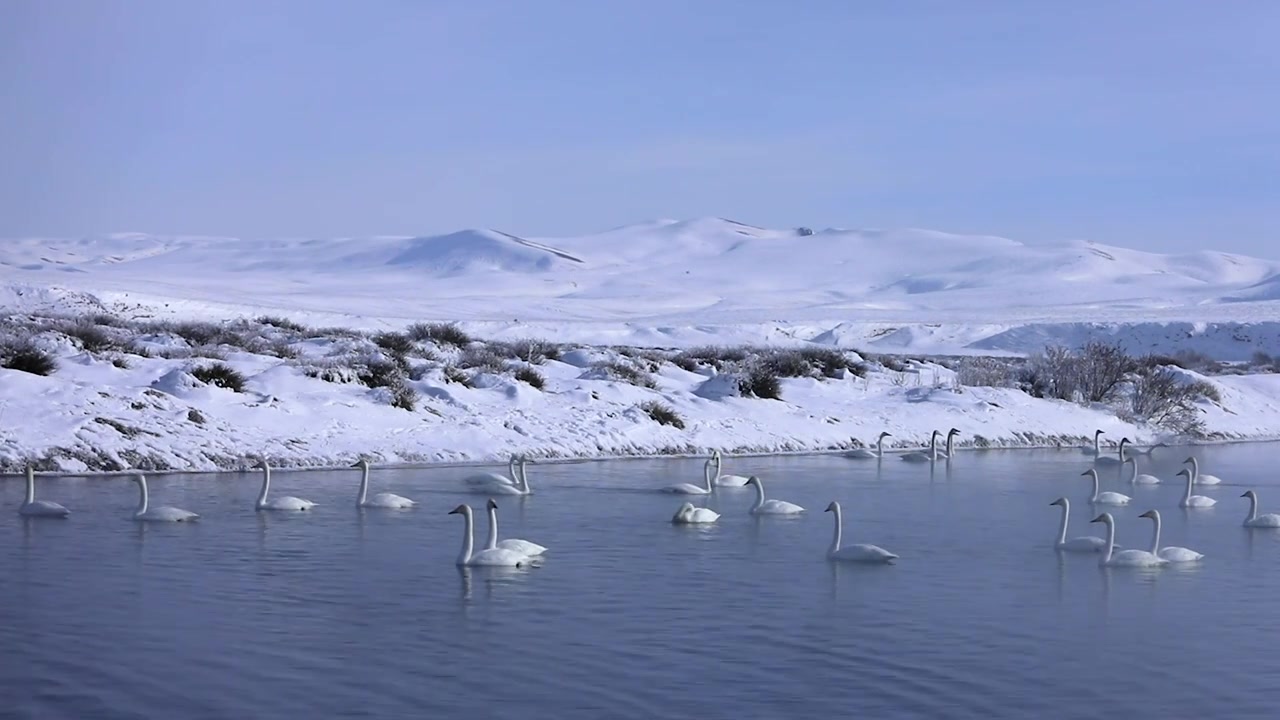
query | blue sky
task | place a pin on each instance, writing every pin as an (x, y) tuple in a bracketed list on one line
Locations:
[(1148, 124)]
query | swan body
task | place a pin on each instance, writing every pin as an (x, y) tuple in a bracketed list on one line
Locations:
[(1084, 543), (497, 557), (1105, 498), (287, 503), (1197, 477), (381, 500), (31, 507), (1254, 520), (726, 480), (1124, 558), (520, 485), (159, 514), (920, 456), (854, 553), (867, 453), (1171, 553), (690, 488), (1109, 460), (688, 515), (1193, 501), (1096, 449), (524, 547), (770, 507), (1140, 479), (514, 466)]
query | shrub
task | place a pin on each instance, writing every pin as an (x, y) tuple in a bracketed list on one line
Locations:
[(532, 377), (530, 350), (25, 356), (623, 372), (121, 362), (93, 338), (404, 397), (282, 323), (830, 361), (379, 372), (1166, 398), (221, 375), (787, 364), (1261, 359), (442, 333), (482, 357), (891, 362), (713, 355), (195, 416), (986, 372), (454, 374), (663, 414), (759, 381), (333, 372), (394, 343), (684, 362)]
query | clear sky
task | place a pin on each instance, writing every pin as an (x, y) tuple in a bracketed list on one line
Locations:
[(1150, 124)]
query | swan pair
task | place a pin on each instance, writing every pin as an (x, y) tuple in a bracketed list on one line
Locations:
[(1096, 450), (1155, 557), (933, 453), (31, 507), (867, 453), (490, 483), (508, 553)]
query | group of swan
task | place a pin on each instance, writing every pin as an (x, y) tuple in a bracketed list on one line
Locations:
[(507, 553), (1155, 557), (933, 453), (1122, 452), (490, 483)]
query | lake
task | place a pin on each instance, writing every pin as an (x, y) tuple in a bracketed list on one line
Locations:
[(344, 613)]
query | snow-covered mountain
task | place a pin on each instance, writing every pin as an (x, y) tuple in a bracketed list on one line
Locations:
[(673, 282)]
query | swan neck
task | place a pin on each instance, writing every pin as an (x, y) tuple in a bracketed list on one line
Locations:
[(266, 485), (465, 556), (1111, 541), (1253, 508), (835, 535), (1195, 469), (1187, 495), (880, 445), (950, 445), (707, 475), (493, 529), (1097, 445), (364, 485), (31, 484), (933, 445), (524, 477), (142, 496), (1133, 474), (1062, 525), (759, 494), (1094, 477), (1155, 535)]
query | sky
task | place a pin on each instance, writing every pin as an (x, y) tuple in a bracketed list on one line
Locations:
[(1148, 124)]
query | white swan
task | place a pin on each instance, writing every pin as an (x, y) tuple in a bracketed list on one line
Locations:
[(1140, 479), (31, 507), (1171, 553), (1104, 498), (492, 478), (868, 453), (524, 547), (726, 480), (519, 487), (951, 450), (381, 500), (160, 514), (854, 553), (924, 455), (1097, 446), (1124, 558), (1198, 478), (495, 557), (286, 503), (1109, 460), (1193, 501), (770, 507), (1083, 543), (1254, 520), (688, 514), (690, 488)]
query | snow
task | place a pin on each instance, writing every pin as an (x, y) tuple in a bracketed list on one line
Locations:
[(664, 284)]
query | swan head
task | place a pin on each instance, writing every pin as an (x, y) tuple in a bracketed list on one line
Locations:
[(1250, 494), (753, 480), (362, 463), (1153, 514), (1104, 518), (936, 433), (886, 434), (139, 478), (261, 464), (1059, 501), (463, 509), (952, 431), (1090, 471), (491, 505), (1188, 460), (1098, 432), (1184, 471), (833, 507), (1124, 441)]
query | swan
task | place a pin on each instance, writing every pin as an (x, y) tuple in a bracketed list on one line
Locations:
[(1097, 445), (924, 456), (1108, 460), (1105, 498), (1193, 501), (524, 547), (690, 488), (1124, 558), (160, 514), (286, 503), (1270, 520), (495, 557), (854, 553), (1084, 543), (381, 500), (31, 507), (1143, 479), (770, 507), (492, 478), (688, 514), (1197, 477), (1171, 553), (950, 451), (519, 487), (726, 480), (868, 453)]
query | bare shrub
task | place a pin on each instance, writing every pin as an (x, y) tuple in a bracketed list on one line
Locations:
[(404, 397), (1168, 399), (623, 372), (376, 372), (891, 362), (26, 357), (442, 333), (760, 381), (529, 350), (713, 355), (663, 414), (221, 375), (1261, 359), (483, 358), (282, 323), (92, 337), (532, 377), (394, 342), (456, 375), (986, 372), (196, 416)]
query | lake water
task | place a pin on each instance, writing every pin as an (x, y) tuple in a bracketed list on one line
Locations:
[(342, 613)]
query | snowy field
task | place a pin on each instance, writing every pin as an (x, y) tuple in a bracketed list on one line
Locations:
[(135, 402)]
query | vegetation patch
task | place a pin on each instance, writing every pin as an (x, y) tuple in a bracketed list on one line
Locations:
[(220, 375), (662, 414)]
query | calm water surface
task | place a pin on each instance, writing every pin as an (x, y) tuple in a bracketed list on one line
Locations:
[(342, 613)]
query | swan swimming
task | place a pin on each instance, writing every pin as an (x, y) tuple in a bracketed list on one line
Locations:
[(159, 514), (524, 547), (687, 514), (1193, 501), (726, 480), (381, 500), (1105, 498), (1109, 460), (1199, 479), (31, 507), (1143, 479), (1171, 553), (690, 488), (1124, 558), (492, 478), (951, 450), (1254, 520), (770, 507), (854, 553), (1083, 543), (520, 485), (1097, 444), (868, 453), (496, 557), (287, 503), (924, 455)]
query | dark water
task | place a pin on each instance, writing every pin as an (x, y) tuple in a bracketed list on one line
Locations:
[(340, 613)]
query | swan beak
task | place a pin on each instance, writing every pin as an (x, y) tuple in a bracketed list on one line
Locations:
[(1245, 494), (1147, 514), (1086, 472), (491, 504), (1184, 462), (1100, 518), (457, 511)]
